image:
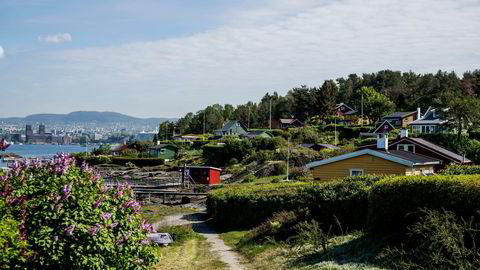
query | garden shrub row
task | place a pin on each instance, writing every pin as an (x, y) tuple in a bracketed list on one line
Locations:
[(387, 205), (246, 206), (461, 169), (395, 202)]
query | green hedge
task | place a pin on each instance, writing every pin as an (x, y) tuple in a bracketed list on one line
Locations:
[(461, 169), (246, 206), (94, 160), (141, 162), (380, 204), (394, 202)]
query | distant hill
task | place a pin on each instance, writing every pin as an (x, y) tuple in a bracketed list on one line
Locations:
[(84, 117)]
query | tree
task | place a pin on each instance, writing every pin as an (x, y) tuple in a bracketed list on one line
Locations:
[(325, 98), (375, 104), (463, 113)]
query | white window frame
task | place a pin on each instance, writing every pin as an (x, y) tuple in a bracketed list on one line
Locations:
[(405, 146), (357, 170)]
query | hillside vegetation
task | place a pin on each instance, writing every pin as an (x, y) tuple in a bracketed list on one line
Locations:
[(387, 218)]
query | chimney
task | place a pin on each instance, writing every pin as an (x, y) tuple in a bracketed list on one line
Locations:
[(403, 132), (419, 113), (382, 142)]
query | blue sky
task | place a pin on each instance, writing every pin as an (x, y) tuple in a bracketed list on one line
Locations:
[(165, 58)]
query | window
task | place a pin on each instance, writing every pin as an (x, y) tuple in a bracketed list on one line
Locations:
[(356, 172), (162, 151), (406, 147)]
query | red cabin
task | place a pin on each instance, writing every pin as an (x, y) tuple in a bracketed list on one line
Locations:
[(204, 175)]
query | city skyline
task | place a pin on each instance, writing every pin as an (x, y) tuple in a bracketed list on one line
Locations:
[(167, 58)]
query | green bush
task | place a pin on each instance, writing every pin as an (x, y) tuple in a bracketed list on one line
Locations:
[(279, 168), (249, 178), (395, 201), (278, 227), (179, 234), (131, 153), (438, 241), (461, 169), (140, 162), (246, 206), (94, 160), (300, 173), (11, 243), (70, 220)]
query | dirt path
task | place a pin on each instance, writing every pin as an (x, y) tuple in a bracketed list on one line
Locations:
[(227, 255)]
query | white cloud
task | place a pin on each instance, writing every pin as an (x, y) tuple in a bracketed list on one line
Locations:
[(270, 48), (57, 38), (2, 52)]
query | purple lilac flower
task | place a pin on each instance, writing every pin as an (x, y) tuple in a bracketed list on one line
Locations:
[(99, 202), (107, 216), (67, 191), (113, 225), (145, 242), (69, 230), (84, 166), (94, 230), (55, 238), (132, 204), (146, 226)]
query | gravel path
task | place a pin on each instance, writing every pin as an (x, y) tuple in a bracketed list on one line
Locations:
[(227, 255)]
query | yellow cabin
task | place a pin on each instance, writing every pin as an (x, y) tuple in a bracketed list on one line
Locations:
[(368, 161)]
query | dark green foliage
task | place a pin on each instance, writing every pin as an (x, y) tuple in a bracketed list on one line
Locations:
[(279, 168), (93, 160), (461, 169), (141, 162), (395, 201), (440, 240), (299, 173), (248, 206), (219, 155), (278, 227)]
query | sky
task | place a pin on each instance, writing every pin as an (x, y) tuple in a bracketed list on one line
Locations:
[(158, 58)]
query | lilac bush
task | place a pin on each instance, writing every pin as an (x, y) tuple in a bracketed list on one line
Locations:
[(70, 220)]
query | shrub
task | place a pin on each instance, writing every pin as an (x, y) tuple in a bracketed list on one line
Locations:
[(70, 220), (279, 168), (94, 160), (246, 206), (461, 169), (11, 243), (395, 201), (300, 173), (179, 234), (311, 233), (438, 241), (249, 178), (278, 227), (131, 153)]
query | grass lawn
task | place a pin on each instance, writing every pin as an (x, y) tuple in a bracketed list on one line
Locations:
[(154, 213), (192, 254), (348, 252)]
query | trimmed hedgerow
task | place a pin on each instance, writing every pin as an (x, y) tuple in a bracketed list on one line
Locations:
[(394, 202), (461, 169), (248, 206)]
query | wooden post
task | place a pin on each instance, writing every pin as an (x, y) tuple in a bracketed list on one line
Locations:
[(164, 197)]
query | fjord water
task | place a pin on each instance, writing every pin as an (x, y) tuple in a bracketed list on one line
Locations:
[(44, 150)]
